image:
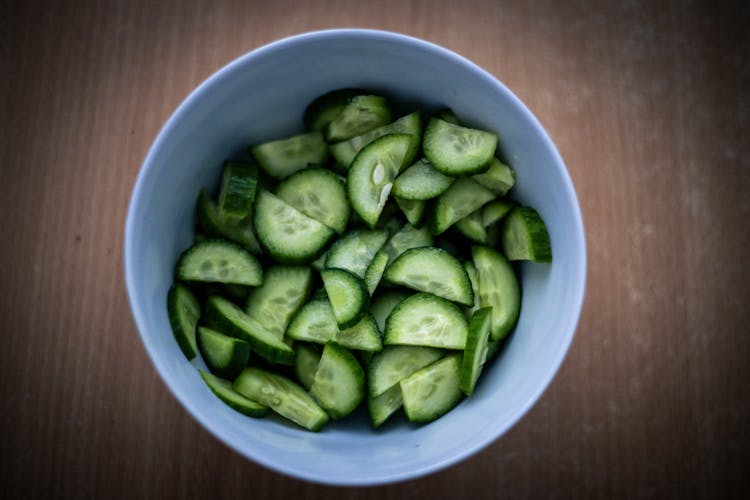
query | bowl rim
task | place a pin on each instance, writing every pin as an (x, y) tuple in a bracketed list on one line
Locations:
[(349, 33)]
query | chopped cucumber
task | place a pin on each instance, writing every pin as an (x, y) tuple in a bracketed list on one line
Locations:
[(383, 406), (315, 322), (237, 191), (525, 236), (324, 109), (495, 211), (462, 198), (421, 182), (183, 310), (224, 391), (219, 261), (475, 353), (432, 391), (406, 238), (471, 227), (412, 209), (361, 114), (215, 225), (498, 289), (356, 250), (432, 270), (395, 363), (499, 178), (306, 363), (284, 290), (426, 320), (447, 115), (289, 235), (282, 158), (282, 395), (375, 271), (225, 356), (382, 305), (317, 193), (456, 150), (339, 384), (371, 175), (348, 296)]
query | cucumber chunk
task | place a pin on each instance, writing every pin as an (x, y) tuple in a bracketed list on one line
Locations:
[(382, 305), (339, 384), (499, 178), (381, 407), (525, 236), (426, 320), (219, 261), (471, 227), (372, 172), (289, 235), (475, 353), (344, 152), (183, 310), (498, 289), (432, 270), (395, 363), (495, 211), (455, 150), (413, 209), (347, 294), (306, 363), (462, 198), (355, 250), (406, 238), (215, 225), (317, 193), (282, 395), (362, 114), (284, 290), (283, 157), (432, 391), (325, 108), (375, 271), (223, 390), (225, 356), (230, 319), (315, 322), (447, 115), (421, 182), (237, 191)]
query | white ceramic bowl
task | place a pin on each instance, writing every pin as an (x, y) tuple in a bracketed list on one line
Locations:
[(261, 96)]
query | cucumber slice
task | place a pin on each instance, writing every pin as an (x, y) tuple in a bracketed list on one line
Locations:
[(473, 274), (471, 227), (306, 363), (284, 290), (406, 238), (183, 310), (339, 384), (432, 270), (495, 211), (412, 209), (289, 235), (475, 353), (347, 294), (493, 347), (421, 182), (215, 225), (432, 391), (382, 306), (395, 363), (462, 198), (325, 108), (219, 261), (315, 322), (525, 236), (499, 178), (447, 115), (456, 150), (344, 152), (380, 408), (375, 271), (230, 319), (355, 251), (282, 158), (362, 114), (372, 172), (317, 193), (282, 395), (426, 320), (237, 191), (498, 289), (225, 356), (223, 390)]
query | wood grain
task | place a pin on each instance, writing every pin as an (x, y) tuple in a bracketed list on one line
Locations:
[(649, 104)]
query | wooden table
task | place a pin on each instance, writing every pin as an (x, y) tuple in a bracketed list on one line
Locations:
[(649, 104)]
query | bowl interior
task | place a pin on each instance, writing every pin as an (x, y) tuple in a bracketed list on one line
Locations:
[(261, 96)]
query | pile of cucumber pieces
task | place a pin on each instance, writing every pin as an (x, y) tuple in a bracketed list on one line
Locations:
[(366, 259)]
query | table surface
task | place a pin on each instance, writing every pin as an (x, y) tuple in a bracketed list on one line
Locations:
[(649, 104)]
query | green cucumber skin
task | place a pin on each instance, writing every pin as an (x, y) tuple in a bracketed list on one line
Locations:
[(380, 408), (215, 225), (237, 192), (476, 348), (526, 223), (325, 108), (435, 144), (184, 333), (232, 253), (240, 349), (222, 389), (336, 358), (504, 297), (356, 288), (445, 371)]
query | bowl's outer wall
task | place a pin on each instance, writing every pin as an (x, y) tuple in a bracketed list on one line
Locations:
[(261, 96)]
